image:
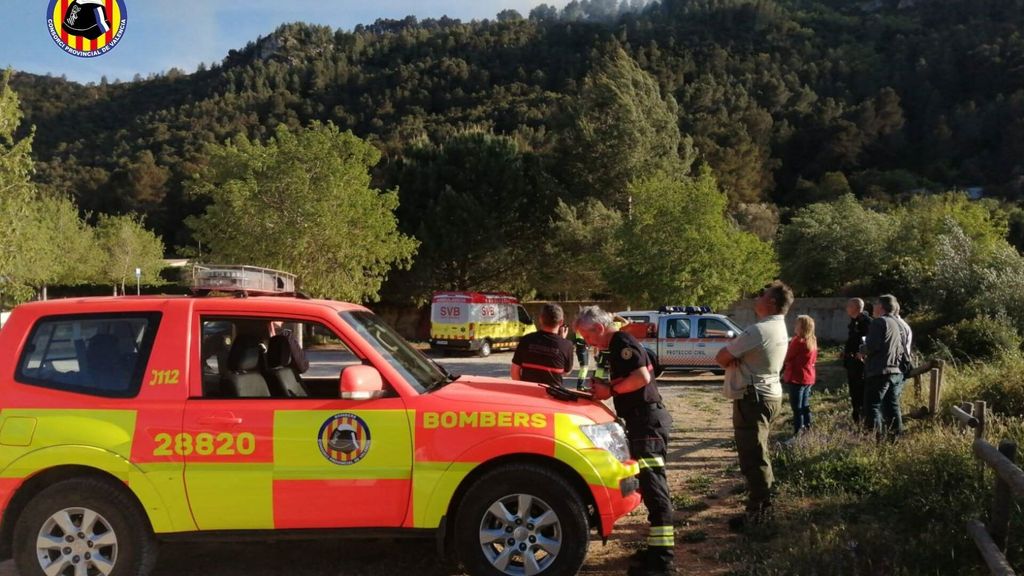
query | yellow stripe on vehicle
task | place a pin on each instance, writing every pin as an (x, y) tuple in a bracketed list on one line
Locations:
[(433, 486), (297, 454), (598, 467), (249, 502)]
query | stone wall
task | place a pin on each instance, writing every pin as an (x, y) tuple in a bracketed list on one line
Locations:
[(829, 315)]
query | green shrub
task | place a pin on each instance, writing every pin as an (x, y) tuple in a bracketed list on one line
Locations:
[(979, 339), (999, 382), (874, 508)]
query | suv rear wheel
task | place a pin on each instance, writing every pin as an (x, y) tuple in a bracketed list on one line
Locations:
[(522, 520), (83, 526)]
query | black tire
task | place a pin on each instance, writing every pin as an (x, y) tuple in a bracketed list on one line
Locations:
[(543, 485), (136, 546), (485, 349)]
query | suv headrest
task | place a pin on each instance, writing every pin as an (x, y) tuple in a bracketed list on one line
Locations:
[(246, 354), (279, 352)]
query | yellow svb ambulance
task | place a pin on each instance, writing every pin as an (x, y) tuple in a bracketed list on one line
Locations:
[(477, 321)]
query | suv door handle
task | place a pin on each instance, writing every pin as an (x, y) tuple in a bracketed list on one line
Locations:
[(220, 419)]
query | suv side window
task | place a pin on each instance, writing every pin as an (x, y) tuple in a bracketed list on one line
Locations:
[(96, 354), (244, 357), (677, 328), (712, 328)]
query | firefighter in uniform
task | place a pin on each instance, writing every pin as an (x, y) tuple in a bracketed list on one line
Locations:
[(624, 373)]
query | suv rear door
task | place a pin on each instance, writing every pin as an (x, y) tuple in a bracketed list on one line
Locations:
[(674, 343)]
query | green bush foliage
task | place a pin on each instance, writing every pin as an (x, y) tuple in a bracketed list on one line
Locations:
[(872, 508), (979, 339), (999, 382)]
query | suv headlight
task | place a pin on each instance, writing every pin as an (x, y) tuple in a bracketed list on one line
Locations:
[(610, 437)]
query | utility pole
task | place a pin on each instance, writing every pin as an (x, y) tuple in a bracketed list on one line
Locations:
[(138, 281)]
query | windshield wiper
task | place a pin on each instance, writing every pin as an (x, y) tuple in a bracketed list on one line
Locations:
[(448, 377)]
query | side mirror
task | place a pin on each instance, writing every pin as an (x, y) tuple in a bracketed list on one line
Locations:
[(730, 334), (361, 383)]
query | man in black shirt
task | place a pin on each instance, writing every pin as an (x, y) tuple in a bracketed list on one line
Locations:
[(857, 332), (544, 356), (625, 375)]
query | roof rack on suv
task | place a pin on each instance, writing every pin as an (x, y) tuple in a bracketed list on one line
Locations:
[(686, 309), (242, 281)]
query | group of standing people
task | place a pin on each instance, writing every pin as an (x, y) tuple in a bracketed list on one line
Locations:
[(878, 358), (757, 363)]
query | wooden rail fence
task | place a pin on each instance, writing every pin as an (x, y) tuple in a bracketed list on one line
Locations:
[(935, 371), (1009, 487)]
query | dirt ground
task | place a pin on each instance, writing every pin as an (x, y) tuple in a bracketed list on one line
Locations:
[(703, 473)]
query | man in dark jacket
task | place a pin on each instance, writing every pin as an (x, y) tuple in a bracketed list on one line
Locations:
[(883, 378), (545, 355), (856, 333)]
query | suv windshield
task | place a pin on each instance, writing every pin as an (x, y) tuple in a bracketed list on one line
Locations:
[(416, 368)]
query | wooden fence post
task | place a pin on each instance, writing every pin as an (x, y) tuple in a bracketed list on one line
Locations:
[(1002, 500), (933, 396), (981, 413)]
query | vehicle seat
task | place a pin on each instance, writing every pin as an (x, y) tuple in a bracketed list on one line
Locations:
[(107, 365), (282, 374), (244, 378), (215, 350)]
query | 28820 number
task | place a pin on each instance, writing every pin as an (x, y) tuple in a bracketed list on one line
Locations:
[(205, 444)]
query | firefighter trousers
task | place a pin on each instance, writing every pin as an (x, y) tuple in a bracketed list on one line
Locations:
[(648, 429)]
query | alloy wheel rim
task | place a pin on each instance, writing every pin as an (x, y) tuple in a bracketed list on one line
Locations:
[(76, 542), (520, 535)]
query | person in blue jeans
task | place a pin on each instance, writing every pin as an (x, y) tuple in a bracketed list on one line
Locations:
[(883, 376), (800, 372)]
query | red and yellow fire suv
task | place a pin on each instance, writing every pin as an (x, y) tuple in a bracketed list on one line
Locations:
[(125, 421)]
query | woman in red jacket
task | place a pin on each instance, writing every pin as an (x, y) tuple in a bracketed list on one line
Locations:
[(799, 372)]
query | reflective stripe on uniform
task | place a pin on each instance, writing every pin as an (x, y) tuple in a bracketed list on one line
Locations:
[(542, 368), (652, 462), (661, 536)]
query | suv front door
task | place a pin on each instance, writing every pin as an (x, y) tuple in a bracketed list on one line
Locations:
[(712, 335), (274, 462)]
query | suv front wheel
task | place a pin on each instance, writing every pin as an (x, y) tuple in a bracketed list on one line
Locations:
[(522, 520), (83, 526)]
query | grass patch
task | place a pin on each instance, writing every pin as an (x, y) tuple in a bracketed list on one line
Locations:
[(847, 505), (702, 484), (694, 536), (688, 503)]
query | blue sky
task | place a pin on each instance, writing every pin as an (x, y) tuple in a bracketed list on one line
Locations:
[(163, 34)]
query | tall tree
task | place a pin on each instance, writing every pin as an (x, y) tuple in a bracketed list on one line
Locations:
[(623, 130), (828, 245), (578, 249), (480, 206), (302, 202), (17, 211), (678, 247), (126, 245)]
